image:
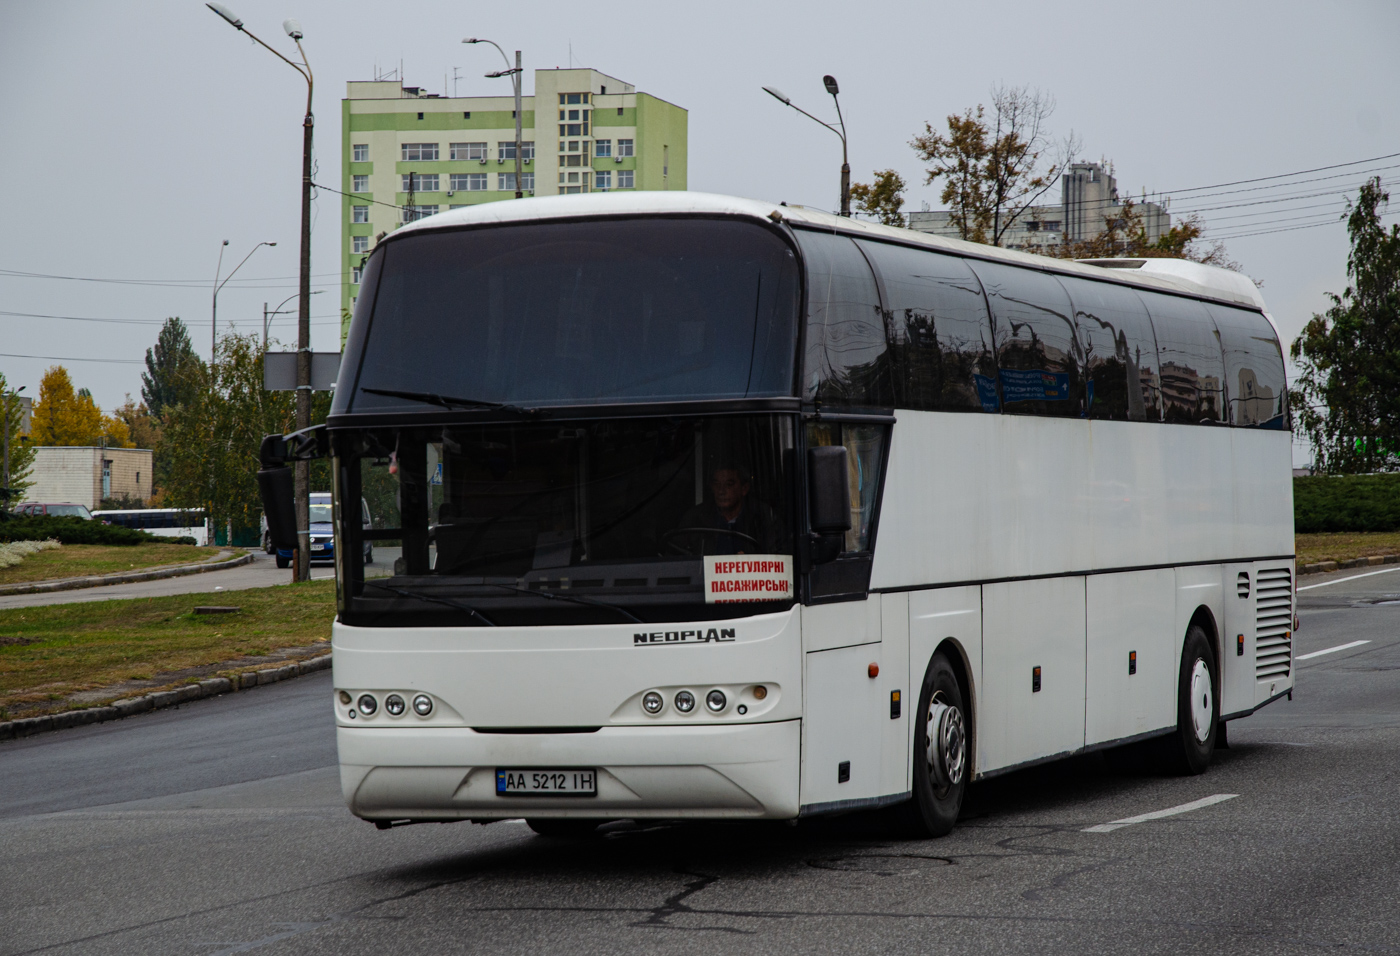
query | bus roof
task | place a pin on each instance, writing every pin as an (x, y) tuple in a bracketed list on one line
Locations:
[(1168, 275)]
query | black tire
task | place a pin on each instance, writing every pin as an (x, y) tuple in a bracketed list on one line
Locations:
[(566, 829), (283, 562), (1187, 752), (940, 781)]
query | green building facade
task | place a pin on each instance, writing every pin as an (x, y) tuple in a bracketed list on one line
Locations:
[(408, 153)]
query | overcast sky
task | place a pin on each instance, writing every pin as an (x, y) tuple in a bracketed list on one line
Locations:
[(138, 136)]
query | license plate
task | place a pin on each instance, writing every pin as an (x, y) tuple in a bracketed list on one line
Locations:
[(318, 547), (528, 782)]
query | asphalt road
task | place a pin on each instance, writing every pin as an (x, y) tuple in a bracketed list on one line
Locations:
[(261, 573), (218, 829)]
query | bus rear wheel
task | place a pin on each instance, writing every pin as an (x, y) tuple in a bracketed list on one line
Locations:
[(1189, 750), (941, 760), (569, 828)]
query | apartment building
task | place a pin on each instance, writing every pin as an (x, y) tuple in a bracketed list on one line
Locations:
[(409, 153)]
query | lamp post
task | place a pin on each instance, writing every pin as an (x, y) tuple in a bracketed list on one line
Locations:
[(268, 316), (7, 443), (302, 570), (214, 309), (831, 87), (514, 74)]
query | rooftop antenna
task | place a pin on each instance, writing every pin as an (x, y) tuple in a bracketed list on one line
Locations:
[(454, 80)]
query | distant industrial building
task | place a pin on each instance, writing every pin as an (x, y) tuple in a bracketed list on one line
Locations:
[(86, 474), (425, 153), (1088, 198)]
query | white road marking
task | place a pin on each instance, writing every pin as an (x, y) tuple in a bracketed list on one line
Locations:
[(1331, 650), (1352, 578), (1159, 814)]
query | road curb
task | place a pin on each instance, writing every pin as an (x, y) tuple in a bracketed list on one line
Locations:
[(130, 706), (1322, 567), (123, 577)]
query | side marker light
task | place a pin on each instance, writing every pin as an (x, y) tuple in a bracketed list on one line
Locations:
[(1035, 680), (760, 692), (873, 670), (1239, 645), (1132, 662)]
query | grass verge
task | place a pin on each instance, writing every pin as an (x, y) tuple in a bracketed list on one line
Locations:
[(50, 652), (1343, 546), (79, 560)]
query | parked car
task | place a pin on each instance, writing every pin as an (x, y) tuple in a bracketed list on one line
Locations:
[(322, 532), (33, 509)]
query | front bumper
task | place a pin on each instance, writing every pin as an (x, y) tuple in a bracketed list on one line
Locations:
[(719, 771)]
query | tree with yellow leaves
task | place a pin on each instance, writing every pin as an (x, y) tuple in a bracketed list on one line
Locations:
[(65, 416)]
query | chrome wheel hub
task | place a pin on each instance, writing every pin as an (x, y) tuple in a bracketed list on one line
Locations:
[(1202, 694), (946, 737)]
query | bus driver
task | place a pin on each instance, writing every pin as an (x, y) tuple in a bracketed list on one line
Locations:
[(731, 522)]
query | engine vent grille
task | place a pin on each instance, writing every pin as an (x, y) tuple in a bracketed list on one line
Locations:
[(1273, 623), (1242, 585)]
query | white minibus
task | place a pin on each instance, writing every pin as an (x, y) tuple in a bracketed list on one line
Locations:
[(714, 508), (165, 522)]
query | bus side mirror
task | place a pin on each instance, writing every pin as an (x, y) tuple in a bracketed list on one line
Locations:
[(275, 485), (828, 500)]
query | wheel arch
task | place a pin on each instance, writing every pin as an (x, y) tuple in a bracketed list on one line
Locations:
[(1206, 619), (953, 649)]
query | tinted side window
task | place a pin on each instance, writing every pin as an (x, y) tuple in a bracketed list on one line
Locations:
[(940, 333), (1037, 354), (846, 360), (1120, 351), (1188, 348), (1254, 379)]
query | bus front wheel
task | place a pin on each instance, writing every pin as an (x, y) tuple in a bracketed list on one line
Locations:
[(941, 762)]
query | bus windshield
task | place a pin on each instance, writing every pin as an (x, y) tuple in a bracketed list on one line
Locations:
[(601, 311), (619, 511)]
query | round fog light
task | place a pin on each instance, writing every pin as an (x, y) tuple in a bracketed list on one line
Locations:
[(422, 705), (716, 701), (760, 692), (652, 702), (394, 704), (368, 704), (685, 702)]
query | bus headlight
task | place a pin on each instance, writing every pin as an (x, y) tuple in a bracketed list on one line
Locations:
[(422, 705), (368, 705), (394, 705), (716, 701), (685, 702), (652, 702)]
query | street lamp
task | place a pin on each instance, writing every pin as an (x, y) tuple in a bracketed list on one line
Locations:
[(830, 83), (214, 309), (268, 316), (514, 74), (303, 468), (7, 443)]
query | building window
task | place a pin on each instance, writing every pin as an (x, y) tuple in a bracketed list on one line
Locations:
[(573, 177), (573, 146), (359, 214), (572, 99), (359, 243), (457, 182), (624, 147), (457, 206), (573, 160), (602, 147), (466, 114), (1052, 225), (527, 182), (360, 152), (414, 213), (619, 111), (624, 179), (419, 152), (505, 151), (420, 115), (468, 151), (602, 179), (359, 184), (475, 181), (355, 275), (419, 182)]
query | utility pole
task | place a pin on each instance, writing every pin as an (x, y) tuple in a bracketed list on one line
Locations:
[(831, 87), (514, 73)]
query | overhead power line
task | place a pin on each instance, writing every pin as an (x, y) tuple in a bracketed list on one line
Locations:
[(70, 358)]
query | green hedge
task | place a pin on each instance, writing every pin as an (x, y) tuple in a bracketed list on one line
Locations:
[(1346, 503), (72, 531)]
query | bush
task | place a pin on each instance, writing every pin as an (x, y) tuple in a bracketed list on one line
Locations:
[(1346, 503), (71, 531)]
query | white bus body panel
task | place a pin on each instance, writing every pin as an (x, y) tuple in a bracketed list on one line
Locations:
[(1129, 613)]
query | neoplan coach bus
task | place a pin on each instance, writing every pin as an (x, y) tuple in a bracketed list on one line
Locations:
[(711, 508)]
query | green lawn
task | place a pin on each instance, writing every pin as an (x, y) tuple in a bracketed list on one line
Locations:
[(78, 560), (51, 651)]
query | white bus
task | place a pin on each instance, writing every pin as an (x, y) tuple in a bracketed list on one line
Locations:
[(711, 508), (165, 522)]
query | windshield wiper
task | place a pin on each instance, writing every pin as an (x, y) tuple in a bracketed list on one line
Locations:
[(447, 401), (571, 599), (459, 605)]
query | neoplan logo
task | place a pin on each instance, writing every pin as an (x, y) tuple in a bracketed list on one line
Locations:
[(714, 635)]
